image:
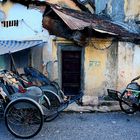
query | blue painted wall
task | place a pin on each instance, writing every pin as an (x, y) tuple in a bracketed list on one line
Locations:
[(114, 8)]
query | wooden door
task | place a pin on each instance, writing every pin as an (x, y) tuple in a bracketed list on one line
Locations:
[(71, 72)]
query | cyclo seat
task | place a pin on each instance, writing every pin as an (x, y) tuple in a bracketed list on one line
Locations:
[(134, 86)]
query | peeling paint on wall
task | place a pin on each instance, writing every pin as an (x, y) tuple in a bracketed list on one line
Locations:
[(110, 68), (125, 63), (129, 64), (100, 5), (49, 57), (118, 10), (94, 66), (6, 7), (132, 9), (114, 8)]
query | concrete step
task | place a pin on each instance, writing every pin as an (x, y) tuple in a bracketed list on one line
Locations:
[(94, 104)]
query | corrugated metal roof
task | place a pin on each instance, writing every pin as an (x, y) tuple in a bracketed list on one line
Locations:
[(7, 46), (76, 20), (72, 22)]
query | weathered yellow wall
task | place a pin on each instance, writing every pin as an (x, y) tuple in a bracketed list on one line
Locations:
[(6, 7), (128, 63), (95, 66), (128, 56), (132, 8), (98, 69), (125, 63), (109, 68)]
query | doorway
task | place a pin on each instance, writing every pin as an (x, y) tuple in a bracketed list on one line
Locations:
[(71, 71)]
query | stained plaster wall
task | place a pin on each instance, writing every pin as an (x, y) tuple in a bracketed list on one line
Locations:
[(30, 29), (100, 66), (132, 9), (50, 59), (113, 8), (128, 63), (110, 68), (128, 53)]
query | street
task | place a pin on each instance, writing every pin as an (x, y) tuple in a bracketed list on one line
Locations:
[(86, 126)]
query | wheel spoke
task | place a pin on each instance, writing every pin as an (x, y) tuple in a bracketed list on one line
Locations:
[(23, 118), (126, 104)]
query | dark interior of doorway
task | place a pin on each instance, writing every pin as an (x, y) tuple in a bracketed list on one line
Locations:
[(71, 72)]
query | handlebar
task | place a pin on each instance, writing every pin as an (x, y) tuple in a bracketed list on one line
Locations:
[(135, 78)]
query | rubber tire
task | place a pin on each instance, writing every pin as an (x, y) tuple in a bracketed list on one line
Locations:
[(132, 109), (11, 104), (54, 106), (51, 117)]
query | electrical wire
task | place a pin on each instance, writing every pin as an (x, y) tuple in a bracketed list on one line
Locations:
[(23, 21)]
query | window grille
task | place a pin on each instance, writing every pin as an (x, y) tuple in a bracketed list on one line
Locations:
[(10, 23)]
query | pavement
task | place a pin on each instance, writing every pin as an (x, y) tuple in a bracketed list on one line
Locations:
[(90, 126)]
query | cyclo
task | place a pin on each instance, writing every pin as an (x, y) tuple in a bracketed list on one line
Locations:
[(26, 106), (20, 107), (129, 98), (58, 101)]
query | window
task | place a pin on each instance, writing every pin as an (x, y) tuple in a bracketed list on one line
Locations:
[(10, 23)]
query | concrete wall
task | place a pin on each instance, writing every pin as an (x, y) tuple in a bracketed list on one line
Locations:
[(29, 28), (109, 68), (99, 65), (30, 22), (119, 10), (132, 9), (127, 53), (114, 8), (128, 62), (112, 68), (50, 59)]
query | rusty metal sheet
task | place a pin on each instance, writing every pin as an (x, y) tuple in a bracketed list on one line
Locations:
[(76, 20), (72, 22)]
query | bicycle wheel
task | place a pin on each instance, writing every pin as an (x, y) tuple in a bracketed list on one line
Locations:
[(60, 93), (51, 115), (126, 103), (52, 112), (24, 118)]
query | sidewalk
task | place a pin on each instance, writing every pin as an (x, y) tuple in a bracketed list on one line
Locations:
[(94, 104)]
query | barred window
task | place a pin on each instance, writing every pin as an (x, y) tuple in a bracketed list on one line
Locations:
[(10, 23)]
